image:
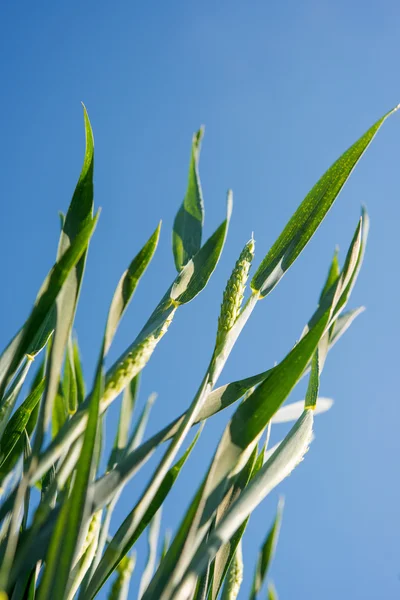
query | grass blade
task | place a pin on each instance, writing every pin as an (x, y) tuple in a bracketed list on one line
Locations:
[(80, 381), (272, 593), (267, 553), (47, 295), (8, 401), (128, 533), (309, 215), (278, 467), (153, 535), (188, 224), (18, 424), (37, 344), (226, 554), (128, 284), (196, 273), (188, 284), (125, 419), (73, 514), (78, 218), (70, 385)]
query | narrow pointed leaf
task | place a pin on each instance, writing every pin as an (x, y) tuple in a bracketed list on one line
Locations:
[(125, 420), (288, 455), (309, 215), (127, 285), (18, 424), (153, 535), (80, 381), (10, 398), (126, 536), (272, 593), (49, 292), (188, 225), (70, 386), (188, 284), (79, 216), (39, 341), (313, 384), (333, 275), (247, 423), (74, 512), (196, 273), (267, 553)]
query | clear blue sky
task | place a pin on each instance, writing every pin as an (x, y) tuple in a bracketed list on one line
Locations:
[(282, 88)]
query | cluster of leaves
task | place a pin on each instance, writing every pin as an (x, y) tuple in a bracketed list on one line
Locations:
[(57, 502)]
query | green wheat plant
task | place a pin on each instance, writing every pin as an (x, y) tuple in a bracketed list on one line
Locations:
[(58, 489)]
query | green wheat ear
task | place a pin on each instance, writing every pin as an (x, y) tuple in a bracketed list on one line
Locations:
[(133, 362), (234, 292), (92, 532), (234, 577), (124, 574)]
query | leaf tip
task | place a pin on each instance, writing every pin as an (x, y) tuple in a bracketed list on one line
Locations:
[(229, 204)]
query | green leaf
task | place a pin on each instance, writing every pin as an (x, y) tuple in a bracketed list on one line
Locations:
[(125, 420), (333, 275), (267, 553), (247, 423), (127, 535), (80, 381), (188, 225), (339, 293), (313, 384), (49, 292), (188, 284), (272, 593), (74, 511), (138, 433), (39, 341), (127, 285), (287, 456), (226, 553), (8, 401), (196, 273), (156, 585), (18, 449), (18, 423), (153, 535), (69, 385), (78, 218), (309, 215), (59, 416)]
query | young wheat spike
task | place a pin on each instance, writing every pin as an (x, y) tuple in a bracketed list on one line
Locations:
[(132, 363), (91, 534), (234, 292), (120, 586), (234, 576), (85, 558)]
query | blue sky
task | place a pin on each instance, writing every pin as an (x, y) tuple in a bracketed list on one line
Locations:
[(282, 89)]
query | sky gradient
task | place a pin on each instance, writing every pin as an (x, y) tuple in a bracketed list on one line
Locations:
[(282, 89)]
